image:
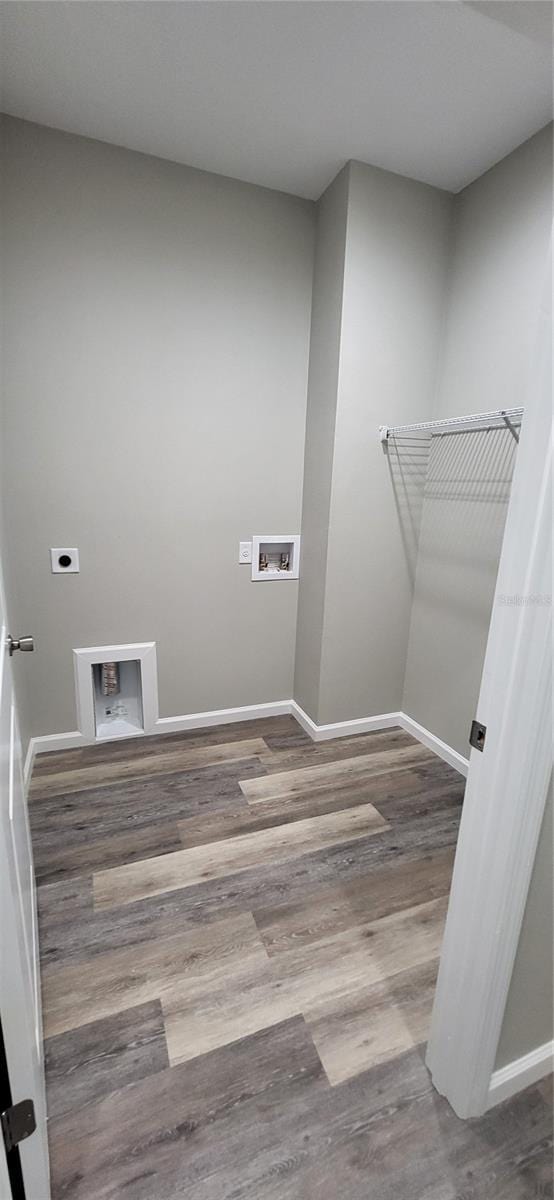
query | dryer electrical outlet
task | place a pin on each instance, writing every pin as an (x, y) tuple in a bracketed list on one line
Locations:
[(64, 560)]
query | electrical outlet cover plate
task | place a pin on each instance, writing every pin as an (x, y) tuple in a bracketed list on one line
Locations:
[(245, 552), (64, 561)]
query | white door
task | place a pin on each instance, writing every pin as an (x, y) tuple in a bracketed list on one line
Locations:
[(508, 782), (20, 1010)]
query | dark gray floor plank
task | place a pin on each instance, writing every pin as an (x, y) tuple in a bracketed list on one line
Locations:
[(398, 885), (104, 1056), (128, 805), (423, 800), (255, 1121), (55, 860), (152, 1139)]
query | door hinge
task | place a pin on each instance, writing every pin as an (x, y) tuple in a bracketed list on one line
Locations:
[(477, 735), (18, 1122)]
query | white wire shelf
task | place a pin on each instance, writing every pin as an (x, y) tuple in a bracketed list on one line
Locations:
[(502, 418)]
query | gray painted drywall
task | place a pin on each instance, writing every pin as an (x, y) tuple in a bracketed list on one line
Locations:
[(500, 252), (156, 338), (499, 265), (528, 1019), (320, 436), (395, 266), (467, 491), (503, 223)]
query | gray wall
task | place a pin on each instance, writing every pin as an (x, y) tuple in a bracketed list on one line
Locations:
[(8, 586), (499, 259), (528, 1015), (396, 256), (499, 266), (156, 327), (320, 436), (467, 491), (156, 336)]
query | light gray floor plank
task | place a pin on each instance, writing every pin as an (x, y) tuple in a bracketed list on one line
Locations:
[(345, 772), (184, 868)]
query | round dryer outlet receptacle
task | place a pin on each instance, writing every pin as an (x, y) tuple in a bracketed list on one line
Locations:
[(64, 560)]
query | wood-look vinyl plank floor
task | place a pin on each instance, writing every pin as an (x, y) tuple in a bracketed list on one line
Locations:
[(172, 1121), (257, 1119), (60, 860), (330, 910), (374, 1023), (110, 811), (242, 997), (334, 965), (282, 731), (287, 756), (82, 1064), (184, 868), (245, 818), (121, 979), (71, 930), (161, 762), (245, 1020), (344, 772)]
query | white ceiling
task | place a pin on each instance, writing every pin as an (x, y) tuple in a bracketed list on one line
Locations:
[(283, 94)]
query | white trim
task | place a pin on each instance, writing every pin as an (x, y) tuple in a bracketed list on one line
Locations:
[(321, 733), (203, 720), (84, 659), (221, 716), (442, 749), (520, 1074), (28, 765), (338, 729), (49, 742), (507, 783), (255, 712)]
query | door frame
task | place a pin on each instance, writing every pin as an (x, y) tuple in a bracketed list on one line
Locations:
[(508, 782), (32, 1158)]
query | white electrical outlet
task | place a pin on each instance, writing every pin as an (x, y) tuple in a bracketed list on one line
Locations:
[(64, 561), (245, 552)]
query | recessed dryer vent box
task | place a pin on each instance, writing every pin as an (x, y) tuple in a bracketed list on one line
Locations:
[(275, 556), (116, 690), (120, 712)]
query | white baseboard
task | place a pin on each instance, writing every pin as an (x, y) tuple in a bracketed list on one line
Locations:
[(520, 1074), (255, 712), (322, 733), (383, 721), (55, 741), (28, 764), (221, 716), (444, 751)]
